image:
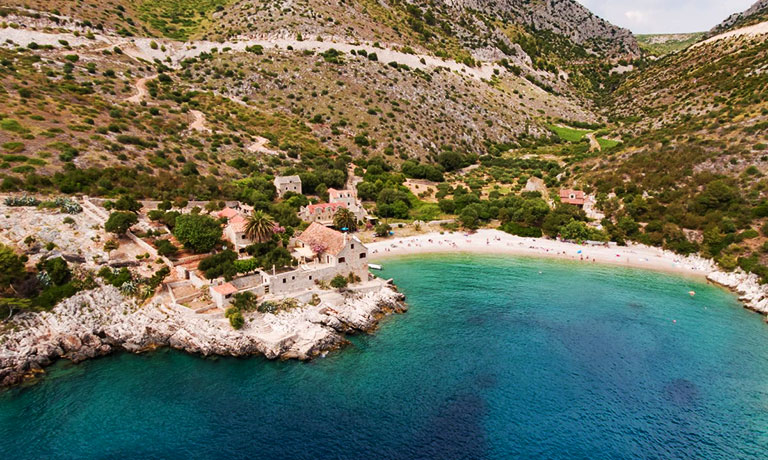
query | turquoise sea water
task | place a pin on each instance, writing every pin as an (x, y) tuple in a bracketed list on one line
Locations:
[(494, 360)]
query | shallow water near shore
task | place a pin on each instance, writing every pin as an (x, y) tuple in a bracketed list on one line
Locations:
[(497, 358)]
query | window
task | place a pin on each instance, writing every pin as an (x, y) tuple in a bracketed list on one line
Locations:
[(342, 260), (285, 280), (362, 255), (310, 277), (352, 246)]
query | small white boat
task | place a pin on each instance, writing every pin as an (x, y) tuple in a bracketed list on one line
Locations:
[(374, 266)]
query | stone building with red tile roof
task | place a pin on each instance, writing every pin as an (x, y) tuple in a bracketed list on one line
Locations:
[(574, 197)]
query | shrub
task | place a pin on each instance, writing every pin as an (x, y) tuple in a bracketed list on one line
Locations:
[(119, 222), (237, 320), (339, 282), (382, 230), (166, 248)]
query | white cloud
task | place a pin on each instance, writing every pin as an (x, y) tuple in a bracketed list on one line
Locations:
[(636, 16), (666, 16)]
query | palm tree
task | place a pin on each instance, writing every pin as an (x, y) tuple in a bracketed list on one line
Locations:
[(345, 219), (259, 227)]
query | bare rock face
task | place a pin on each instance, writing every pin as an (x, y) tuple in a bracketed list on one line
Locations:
[(97, 322), (564, 17)]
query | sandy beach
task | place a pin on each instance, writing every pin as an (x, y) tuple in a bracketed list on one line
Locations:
[(499, 243)]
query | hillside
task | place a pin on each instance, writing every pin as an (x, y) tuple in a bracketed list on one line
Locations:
[(663, 44), (478, 111), (755, 14), (692, 168)]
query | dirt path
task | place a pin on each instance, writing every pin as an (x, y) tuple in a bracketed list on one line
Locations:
[(141, 90), (260, 146), (198, 124), (754, 30), (594, 146), (142, 49)]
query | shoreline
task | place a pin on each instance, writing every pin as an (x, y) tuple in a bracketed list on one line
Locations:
[(495, 242), (746, 286), (101, 321)]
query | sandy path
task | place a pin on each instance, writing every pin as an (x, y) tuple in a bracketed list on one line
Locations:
[(752, 31), (198, 123), (594, 146), (499, 243), (260, 146), (141, 90), (140, 48)]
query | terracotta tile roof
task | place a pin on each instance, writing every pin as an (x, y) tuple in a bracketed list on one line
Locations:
[(227, 212), (225, 289), (238, 223), (569, 196), (320, 235)]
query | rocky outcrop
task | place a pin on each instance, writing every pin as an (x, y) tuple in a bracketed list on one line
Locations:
[(754, 14), (747, 285), (564, 17), (98, 322)]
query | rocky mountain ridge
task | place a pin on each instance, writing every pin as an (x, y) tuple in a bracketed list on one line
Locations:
[(753, 15)]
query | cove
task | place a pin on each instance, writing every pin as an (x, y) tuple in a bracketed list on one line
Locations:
[(497, 358)]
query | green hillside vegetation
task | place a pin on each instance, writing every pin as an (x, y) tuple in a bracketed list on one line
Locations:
[(663, 44)]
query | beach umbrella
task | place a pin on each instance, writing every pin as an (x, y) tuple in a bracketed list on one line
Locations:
[(578, 252)]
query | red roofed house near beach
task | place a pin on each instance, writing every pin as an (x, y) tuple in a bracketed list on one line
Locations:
[(322, 213), (574, 197)]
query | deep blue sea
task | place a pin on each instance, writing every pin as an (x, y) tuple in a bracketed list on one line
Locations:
[(497, 358)]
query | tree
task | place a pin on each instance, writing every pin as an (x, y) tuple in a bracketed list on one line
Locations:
[(166, 248), (11, 267), (450, 160), (339, 282), (180, 202), (382, 230), (259, 227), (119, 222), (197, 232), (127, 203), (58, 270), (217, 265), (575, 231), (345, 219)]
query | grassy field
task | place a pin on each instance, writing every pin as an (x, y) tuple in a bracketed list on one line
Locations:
[(607, 143), (660, 45), (178, 19), (569, 134)]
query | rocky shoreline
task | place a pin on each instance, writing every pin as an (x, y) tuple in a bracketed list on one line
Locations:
[(98, 322), (747, 286)]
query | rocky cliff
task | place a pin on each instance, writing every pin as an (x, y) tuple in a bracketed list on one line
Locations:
[(564, 17), (98, 322)]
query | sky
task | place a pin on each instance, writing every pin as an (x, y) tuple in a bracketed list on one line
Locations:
[(666, 16)]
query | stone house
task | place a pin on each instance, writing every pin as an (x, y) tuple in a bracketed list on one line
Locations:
[(349, 199), (573, 197), (285, 184), (234, 232), (321, 213), (323, 253)]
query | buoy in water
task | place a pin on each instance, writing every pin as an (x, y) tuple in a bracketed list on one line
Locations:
[(692, 293)]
